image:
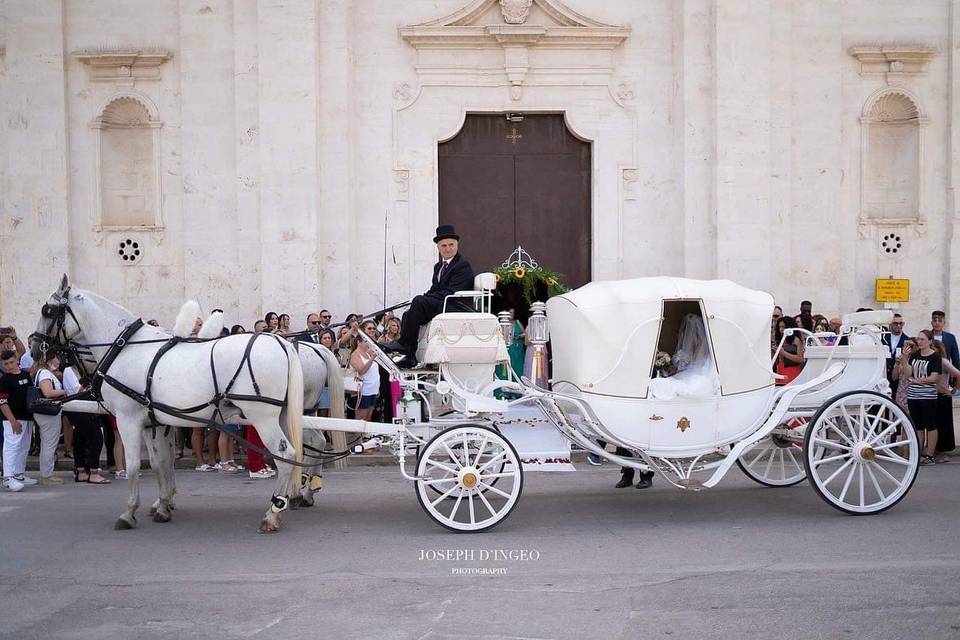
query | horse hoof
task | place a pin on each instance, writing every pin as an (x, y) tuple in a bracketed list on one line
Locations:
[(296, 502), (268, 527), (122, 525), (160, 517), (306, 501), (153, 511)]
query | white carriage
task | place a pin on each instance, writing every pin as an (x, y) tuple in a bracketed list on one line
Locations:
[(473, 435), (835, 425)]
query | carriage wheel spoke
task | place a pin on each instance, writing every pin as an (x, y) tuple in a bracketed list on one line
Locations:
[(860, 479), (783, 467), (893, 457), (430, 483), (483, 445), (830, 444), (761, 451), (836, 458), (434, 463), (891, 445), (793, 459), (444, 496), (876, 485), (473, 516), (849, 423), (874, 424), (456, 506), (846, 484), (837, 472), (766, 471), (490, 487), (452, 455), (492, 460), (505, 474), (887, 474), (486, 503), (840, 433), (881, 435)]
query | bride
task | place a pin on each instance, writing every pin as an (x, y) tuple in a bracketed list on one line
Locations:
[(695, 374)]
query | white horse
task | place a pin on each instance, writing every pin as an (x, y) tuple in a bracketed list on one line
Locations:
[(267, 391)]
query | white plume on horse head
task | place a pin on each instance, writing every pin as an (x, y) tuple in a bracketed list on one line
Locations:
[(186, 319), (212, 326)]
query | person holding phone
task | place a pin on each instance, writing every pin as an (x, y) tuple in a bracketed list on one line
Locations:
[(895, 341), (921, 369)]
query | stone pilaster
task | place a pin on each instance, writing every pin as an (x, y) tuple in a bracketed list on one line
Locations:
[(952, 273), (34, 221), (744, 224)]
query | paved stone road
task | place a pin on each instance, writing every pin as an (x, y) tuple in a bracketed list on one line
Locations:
[(739, 561)]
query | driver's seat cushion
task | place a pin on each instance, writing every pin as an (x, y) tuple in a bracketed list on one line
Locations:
[(462, 338)]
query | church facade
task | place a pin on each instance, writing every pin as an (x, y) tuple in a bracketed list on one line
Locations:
[(298, 154)]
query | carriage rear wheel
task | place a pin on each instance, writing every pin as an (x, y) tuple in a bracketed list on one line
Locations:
[(777, 460), (861, 452), (462, 463)]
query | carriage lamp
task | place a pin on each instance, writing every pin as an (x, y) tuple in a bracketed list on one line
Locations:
[(537, 327), (538, 334), (506, 326)]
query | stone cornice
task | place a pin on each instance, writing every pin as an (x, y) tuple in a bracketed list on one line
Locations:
[(513, 40), (894, 60), (123, 66)]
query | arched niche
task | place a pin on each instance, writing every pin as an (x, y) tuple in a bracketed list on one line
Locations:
[(891, 159), (127, 164)]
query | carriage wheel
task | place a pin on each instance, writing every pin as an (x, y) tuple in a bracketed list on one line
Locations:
[(463, 463), (489, 451), (861, 452), (777, 460)]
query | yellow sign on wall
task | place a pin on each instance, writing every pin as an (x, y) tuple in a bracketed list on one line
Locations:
[(893, 290)]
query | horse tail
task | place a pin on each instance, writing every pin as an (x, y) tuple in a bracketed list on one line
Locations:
[(334, 381), (294, 403)]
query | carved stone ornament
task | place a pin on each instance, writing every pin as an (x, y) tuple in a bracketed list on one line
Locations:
[(515, 11), (552, 32), (123, 66), (893, 61)]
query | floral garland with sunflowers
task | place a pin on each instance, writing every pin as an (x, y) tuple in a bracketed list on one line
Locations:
[(528, 279)]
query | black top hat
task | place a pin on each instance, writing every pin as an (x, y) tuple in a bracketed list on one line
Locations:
[(445, 231)]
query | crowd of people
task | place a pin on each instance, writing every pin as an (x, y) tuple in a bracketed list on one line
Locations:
[(923, 371)]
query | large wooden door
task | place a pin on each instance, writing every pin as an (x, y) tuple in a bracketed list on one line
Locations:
[(504, 184)]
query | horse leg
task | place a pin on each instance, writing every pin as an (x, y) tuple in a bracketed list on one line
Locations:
[(274, 440), (160, 448), (313, 480), (131, 432)]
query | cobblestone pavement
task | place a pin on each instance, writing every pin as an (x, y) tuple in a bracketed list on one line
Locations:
[(738, 561)]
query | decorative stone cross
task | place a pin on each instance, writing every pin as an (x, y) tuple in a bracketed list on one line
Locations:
[(514, 136)]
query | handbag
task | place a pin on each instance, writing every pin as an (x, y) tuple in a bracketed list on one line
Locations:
[(351, 381), (38, 403)]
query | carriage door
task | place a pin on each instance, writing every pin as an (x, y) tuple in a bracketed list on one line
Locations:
[(523, 181)]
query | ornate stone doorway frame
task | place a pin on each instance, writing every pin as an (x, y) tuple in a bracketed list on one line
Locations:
[(467, 64)]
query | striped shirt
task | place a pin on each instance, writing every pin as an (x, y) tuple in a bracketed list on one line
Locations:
[(922, 367)]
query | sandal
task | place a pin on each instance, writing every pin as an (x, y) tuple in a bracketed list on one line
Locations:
[(99, 480), (80, 476)]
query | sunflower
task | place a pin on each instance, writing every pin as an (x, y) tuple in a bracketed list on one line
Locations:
[(519, 272)]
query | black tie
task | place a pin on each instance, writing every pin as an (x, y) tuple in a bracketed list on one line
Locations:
[(443, 270)]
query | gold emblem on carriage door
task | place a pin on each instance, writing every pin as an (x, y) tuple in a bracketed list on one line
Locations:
[(683, 424)]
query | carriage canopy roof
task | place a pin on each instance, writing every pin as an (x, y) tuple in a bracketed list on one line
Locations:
[(605, 334)]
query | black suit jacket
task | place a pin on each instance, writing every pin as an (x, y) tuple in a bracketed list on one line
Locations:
[(459, 277), (891, 361)]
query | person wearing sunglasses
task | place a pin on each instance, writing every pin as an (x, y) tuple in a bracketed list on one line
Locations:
[(895, 341)]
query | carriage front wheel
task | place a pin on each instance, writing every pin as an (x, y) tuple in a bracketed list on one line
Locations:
[(861, 452), (456, 472)]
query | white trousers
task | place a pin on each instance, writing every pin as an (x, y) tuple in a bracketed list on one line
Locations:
[(50, 427), (15, 447)]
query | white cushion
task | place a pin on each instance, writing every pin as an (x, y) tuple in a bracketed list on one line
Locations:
[(484, 281), (468, 338)]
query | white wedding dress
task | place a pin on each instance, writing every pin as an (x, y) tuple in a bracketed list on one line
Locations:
[(696, 375)]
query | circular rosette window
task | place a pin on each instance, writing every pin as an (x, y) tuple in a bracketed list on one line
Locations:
[(129, 250)]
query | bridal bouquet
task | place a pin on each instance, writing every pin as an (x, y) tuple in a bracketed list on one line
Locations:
[(662, 363)]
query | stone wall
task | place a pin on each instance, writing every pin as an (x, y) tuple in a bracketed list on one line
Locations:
[(728, 140)]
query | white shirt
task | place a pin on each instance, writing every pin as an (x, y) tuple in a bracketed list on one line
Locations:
[(71, 382), (371, 381), (895, 342), (26, 361)]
